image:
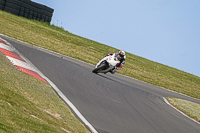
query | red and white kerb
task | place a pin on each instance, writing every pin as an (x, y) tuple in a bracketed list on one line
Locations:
[(18, 61)]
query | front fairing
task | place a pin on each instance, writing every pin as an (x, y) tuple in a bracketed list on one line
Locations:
[(104, 59)]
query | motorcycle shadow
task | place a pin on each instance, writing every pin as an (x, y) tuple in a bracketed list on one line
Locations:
[(104, 76)]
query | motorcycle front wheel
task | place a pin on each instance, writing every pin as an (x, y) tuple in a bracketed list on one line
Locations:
[(99, 68)]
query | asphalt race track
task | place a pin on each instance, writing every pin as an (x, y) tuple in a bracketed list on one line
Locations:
[(111, 103)]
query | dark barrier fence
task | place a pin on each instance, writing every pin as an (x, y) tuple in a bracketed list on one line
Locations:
[(27, 9)]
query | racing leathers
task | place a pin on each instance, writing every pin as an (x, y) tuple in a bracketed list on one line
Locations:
[(119, 65)]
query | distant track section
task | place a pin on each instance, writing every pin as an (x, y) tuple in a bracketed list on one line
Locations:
[(27, 9)]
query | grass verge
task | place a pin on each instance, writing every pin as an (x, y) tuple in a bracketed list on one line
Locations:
[(189, 108), (30, 105)]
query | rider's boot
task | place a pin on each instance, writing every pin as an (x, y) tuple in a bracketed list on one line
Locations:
[(113, 71)]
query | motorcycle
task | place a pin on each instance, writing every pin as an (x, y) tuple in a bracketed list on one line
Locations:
[(107, 64)]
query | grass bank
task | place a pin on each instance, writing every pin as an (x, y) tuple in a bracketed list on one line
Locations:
[(30, 105)]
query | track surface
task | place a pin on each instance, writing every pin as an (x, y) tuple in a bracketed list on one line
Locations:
[(111, 103)]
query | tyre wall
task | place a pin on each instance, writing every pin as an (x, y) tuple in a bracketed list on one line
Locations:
[(27, 9)]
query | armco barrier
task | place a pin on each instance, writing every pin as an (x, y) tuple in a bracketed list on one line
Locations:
[(27, 9)]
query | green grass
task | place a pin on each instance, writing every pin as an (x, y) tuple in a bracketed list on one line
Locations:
[(189, 108), (30, 105), (58, 40)]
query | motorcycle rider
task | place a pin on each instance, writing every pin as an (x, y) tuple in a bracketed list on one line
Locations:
[(122, 57)]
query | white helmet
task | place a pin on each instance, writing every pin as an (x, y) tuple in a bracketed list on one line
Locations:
[(121, 53)]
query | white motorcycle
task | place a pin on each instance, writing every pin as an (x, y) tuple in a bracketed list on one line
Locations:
[(107, 64)]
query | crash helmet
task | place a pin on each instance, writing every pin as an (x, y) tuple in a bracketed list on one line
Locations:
[(121, 53)]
